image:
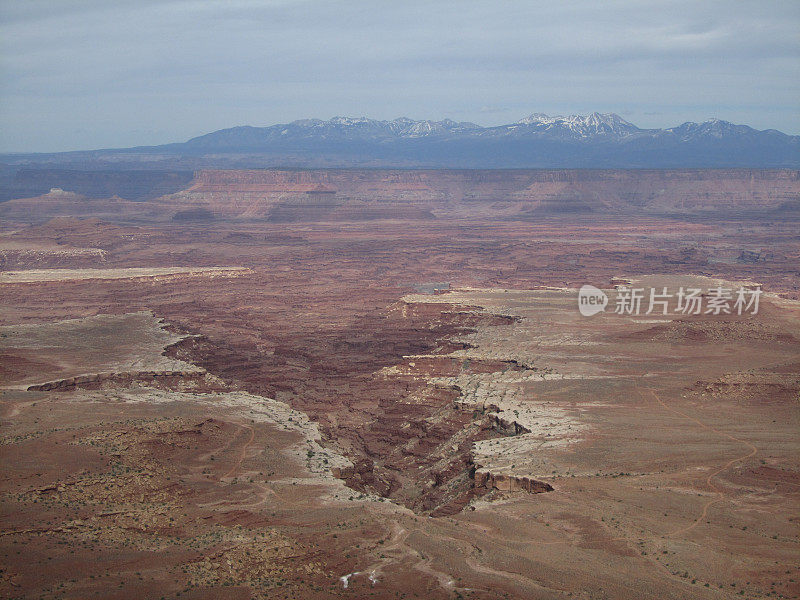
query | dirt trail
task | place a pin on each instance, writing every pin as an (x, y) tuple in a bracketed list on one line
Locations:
[(709, 479), (238, 464)]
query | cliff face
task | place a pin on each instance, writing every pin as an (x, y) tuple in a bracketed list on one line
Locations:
[(504, 193), (510, 483), (308, 180), (130, 185), (357, 195)]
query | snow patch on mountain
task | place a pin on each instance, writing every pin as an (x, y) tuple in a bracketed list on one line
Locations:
[(594, 124)]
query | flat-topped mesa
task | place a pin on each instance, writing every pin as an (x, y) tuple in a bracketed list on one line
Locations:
[(412, 194), (272, 180), (464, 180)]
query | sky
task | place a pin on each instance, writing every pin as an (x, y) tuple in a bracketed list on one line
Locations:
[(86, 74)]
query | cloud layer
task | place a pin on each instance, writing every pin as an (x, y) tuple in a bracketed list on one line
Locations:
[(91, 74)]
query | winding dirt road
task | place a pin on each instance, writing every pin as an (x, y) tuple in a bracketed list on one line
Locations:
[(243, 455), (709, 480)]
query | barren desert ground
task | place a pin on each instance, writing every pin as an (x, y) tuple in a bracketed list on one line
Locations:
[(378, 384)]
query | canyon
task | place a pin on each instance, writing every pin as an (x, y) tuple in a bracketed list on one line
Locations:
[(377, 383)]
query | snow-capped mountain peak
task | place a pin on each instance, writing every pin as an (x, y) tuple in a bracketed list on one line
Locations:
[(596, 124), (711, 128), (400, 127), (562, 140), (580, 125), (351, 121), (538, 118)]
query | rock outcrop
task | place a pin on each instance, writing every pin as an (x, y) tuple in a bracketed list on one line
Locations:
[(510, 483)]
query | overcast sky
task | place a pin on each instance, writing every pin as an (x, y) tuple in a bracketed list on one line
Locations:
[(105, 73)]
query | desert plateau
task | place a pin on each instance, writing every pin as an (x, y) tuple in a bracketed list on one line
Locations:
[(371, 300), (358, 383)]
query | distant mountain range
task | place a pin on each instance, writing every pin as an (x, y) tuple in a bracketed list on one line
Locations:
[(538, 141)]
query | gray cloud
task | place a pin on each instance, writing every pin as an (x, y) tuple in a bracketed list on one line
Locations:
[(84, 74)]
